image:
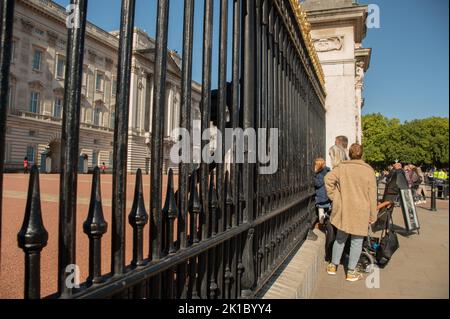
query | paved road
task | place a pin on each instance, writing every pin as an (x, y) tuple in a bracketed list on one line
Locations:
[(420, 268), (15, 192)]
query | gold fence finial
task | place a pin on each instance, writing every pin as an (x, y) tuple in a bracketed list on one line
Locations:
[(305, 27)]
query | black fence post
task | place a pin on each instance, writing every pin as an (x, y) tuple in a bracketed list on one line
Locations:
[(159, 102), (433, 196), (70, 147), (95, 227), (446, 190), (248, 280), (121, 138), (32, 238), (138, 218), (185, 118), (6, 34)]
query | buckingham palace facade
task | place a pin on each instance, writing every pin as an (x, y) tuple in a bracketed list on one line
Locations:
[(37, 88)]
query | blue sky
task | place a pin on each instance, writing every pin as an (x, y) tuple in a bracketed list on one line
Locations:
[(408, 77)]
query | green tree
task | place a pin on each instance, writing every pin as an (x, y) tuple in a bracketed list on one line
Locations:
[(419, 141)]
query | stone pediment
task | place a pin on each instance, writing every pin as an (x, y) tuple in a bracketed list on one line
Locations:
[(27, 26), (59, 91), (109, 63), (92, 55), (172, 62), (38, 85), (99, 102), (52, 37)]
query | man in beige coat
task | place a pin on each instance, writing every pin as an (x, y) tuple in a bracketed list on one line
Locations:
[(352, 188)]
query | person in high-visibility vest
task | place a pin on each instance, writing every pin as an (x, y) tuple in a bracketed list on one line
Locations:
[(436, 174), (377, 175), (442, 175), (440, 178)]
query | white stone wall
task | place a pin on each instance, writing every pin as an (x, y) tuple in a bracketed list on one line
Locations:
[(336, 46)]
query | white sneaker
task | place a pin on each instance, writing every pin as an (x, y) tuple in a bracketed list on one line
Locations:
[(322, 220)]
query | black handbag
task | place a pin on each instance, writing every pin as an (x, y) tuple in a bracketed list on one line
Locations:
[(388, 246), (382, 222)]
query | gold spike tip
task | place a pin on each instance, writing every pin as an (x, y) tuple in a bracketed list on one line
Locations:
[(305, 27)]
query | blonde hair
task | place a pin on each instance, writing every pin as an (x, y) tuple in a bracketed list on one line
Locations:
[(319, 164), (337, 155)]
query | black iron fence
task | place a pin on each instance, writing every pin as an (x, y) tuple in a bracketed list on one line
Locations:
[(225, 232)]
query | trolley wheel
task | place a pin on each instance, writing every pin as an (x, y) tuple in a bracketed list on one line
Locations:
[(366, 262)]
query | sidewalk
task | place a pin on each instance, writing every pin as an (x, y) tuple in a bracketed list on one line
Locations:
[(419, 269)]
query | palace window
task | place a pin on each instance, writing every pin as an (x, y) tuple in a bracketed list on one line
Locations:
[(99, 82), (85, 78), (39, 32), (57, 108), (97, 116), (13, 51), (11, 91), (82, 113), (114, 87), (60, 67), (111, 159), (34, 102), (88, 115), (112, 120), (37, 60), (7, 152), (31, 154), (95, 158)]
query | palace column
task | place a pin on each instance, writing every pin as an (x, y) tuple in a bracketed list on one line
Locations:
[(148, 102), (133, 97), (169, 109), (359, 87), (176, 110)]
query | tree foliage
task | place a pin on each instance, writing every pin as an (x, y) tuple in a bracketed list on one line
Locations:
[(422, 142)]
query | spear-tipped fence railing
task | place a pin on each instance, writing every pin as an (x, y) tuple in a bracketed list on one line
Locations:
[(222, 234)]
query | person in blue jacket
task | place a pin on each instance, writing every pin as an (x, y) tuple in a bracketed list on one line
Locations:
[(323, 203)]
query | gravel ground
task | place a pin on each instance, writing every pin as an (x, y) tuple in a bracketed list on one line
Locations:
[(14, 201)]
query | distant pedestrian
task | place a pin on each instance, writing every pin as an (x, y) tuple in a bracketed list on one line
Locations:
[(323, 203), (416, 180), (395, 182), (385, 174), (411, 176), (104, 168), (352, 188), (26, 166)]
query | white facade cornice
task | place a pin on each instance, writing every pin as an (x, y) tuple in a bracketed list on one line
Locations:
[(352, 16), (57, 13)]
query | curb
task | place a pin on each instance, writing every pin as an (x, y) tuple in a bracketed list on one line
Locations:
[(299, 279)]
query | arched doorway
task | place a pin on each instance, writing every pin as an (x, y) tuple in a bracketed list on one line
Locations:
[(55, 155)]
